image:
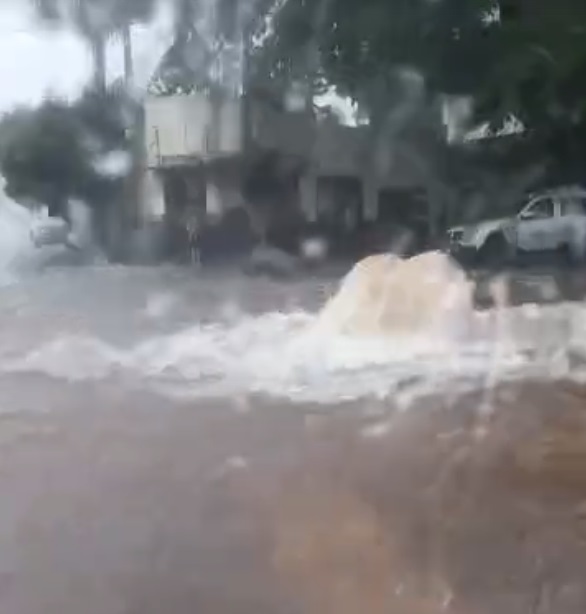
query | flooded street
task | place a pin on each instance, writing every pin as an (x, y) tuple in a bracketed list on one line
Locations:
[(188, 442), (144, 328), (360, 388), (187, 335)]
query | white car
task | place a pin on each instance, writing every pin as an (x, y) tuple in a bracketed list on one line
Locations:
[(49, 231), (549, 221)]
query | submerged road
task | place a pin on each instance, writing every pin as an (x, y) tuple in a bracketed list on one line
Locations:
[(227, 508), (119, 498)]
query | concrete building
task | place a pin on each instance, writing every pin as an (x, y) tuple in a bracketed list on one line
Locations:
[(212, 146)]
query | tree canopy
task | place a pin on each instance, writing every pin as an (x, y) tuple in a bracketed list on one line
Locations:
[(512, 58), (521, 57), (51, 153), (525, 58)]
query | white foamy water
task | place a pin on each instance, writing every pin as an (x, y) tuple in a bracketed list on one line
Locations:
[(193, 335), (285, 355)]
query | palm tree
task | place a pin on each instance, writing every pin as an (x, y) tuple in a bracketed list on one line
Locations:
[(127, 46), (96, 21)]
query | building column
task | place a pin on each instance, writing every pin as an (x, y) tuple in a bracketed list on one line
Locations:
[(435, 205), (148, 241), (153, 198), (214, 200), (308, 196), (370, 190)]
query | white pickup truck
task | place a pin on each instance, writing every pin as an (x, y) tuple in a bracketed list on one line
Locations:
[(549, 221)]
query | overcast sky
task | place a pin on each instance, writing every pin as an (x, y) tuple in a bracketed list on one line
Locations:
[(34, 61)]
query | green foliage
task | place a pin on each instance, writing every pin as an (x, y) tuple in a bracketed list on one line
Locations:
[(520, 58), (531, 62), (207, 36), (359, 42), (48, 154), (42, 157)]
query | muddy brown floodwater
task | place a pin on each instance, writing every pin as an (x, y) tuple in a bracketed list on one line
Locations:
[(217, 509), (119, 499)]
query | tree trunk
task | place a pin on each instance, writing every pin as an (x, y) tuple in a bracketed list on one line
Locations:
[(98, 48), (128, 64), (130, 205)]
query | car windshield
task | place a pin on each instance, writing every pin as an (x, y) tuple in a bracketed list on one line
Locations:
[(274, 336), (521, 204)]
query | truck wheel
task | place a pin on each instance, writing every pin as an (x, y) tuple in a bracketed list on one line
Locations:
[(495, 252)]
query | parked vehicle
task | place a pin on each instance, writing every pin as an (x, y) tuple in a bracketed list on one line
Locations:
[(47, 230), (550, 221), (75, 233)]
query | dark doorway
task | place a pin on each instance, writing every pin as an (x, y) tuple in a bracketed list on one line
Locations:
[(339, 212), (403, 220), (184, 190)]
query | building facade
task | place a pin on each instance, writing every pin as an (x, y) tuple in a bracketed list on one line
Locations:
[(214, 146)]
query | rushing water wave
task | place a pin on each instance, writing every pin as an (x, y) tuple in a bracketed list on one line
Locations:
[(191, 336), (217, 333)]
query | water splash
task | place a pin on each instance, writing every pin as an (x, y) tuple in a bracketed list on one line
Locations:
[(285, 355), (191, 336)]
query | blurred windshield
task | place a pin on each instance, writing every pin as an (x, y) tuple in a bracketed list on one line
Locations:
[(273, 336)]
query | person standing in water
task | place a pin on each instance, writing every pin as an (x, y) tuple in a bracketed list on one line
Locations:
[(193, 229)]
